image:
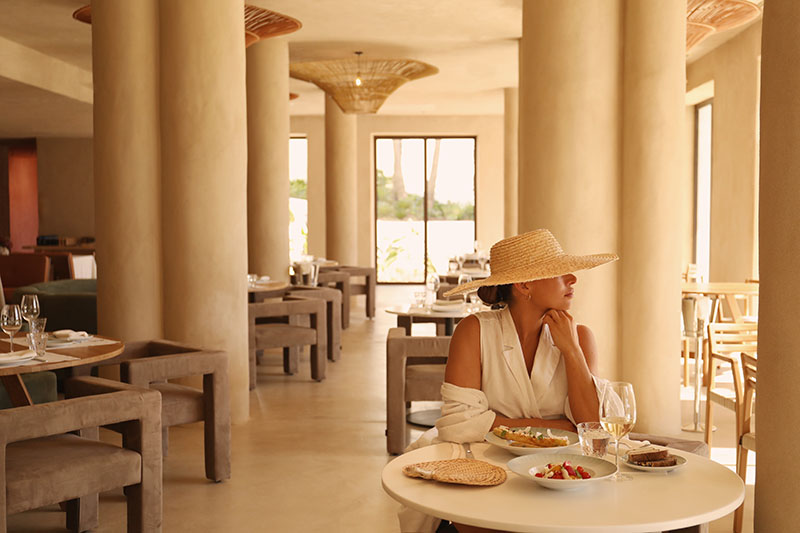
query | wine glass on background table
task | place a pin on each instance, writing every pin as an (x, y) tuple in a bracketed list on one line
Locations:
[(464, 278), (30, 307), (10, 322), (618, 415)]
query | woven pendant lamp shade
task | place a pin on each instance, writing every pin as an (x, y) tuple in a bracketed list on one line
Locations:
[(379, 78), (259, 23), (705, 17)]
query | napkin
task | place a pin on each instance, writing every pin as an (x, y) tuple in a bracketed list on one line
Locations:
[(629, 444), (14, 356), (70, 334)]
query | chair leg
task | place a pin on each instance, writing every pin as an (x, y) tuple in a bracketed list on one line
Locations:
[(83, 513), (291, 356), (741, 469), (216, 429), (318, 361)]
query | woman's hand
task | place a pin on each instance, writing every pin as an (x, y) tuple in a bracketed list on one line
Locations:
[(563, 330)]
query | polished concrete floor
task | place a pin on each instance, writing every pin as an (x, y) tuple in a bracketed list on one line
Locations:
[(310, 457)]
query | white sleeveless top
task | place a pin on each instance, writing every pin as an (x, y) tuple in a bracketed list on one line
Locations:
[(511, 392)]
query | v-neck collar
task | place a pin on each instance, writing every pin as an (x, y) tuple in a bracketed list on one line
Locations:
[(545, 361)]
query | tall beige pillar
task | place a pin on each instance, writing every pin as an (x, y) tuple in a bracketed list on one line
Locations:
[(204, 175), (653, 108), (569, 86), (778, 405), (127, 168), (268, 158), (510, 159), (341, 206)]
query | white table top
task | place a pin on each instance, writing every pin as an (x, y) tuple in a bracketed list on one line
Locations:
[(699, 492), (459, 311)]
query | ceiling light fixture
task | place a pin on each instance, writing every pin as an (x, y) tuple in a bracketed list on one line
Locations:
[(705, 17), (360, 86)]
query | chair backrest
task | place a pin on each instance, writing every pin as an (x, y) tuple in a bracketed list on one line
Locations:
[(691, 273), (61, 265), (750, 371), (730, 338), (18, 270)]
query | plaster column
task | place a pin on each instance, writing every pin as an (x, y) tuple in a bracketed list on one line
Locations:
[(341, 206), (652, 157), (127, 173), (204, 173), (569, 109), (510, 160), (778, 405), (268, 158)]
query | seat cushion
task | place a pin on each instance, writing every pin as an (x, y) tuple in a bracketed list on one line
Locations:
[(179, 404), (424, 382), (724, 397), (280, 335), (63, 467)]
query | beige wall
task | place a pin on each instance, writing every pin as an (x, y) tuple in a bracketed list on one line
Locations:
[(734, 67), (65, 173), (487, 129)]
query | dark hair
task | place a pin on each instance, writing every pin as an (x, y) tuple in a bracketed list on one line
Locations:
[(495, 295)]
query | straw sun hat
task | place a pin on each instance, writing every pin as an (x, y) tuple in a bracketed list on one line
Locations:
[(529, 257)]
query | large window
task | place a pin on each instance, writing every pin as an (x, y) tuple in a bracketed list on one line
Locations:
[(425, 204), (298, 197), (702, 196)]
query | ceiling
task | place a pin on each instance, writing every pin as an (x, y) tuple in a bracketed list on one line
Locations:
[(472, 42)]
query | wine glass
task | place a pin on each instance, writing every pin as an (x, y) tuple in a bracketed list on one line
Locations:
[(10, 322), (432, 285), (464, 278), (30, 307), (618, 415)]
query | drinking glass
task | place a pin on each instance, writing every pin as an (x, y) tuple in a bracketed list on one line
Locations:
[(432, 285), (37, 342), (37, 324), (30, 307), (10, 322), (474, 302), (464, 278), (460, 258), (594, 439), (618, 415)]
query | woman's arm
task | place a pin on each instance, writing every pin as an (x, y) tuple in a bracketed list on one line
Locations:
[(464, 370), (579, 349)]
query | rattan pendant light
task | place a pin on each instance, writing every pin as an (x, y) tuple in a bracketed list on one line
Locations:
[(706, 17), (259, 23), (359, 85)]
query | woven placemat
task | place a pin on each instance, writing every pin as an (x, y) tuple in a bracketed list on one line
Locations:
[(461, 471)]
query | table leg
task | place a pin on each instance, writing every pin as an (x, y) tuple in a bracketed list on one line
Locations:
[(405, 323), (449, 325), (17, 392)]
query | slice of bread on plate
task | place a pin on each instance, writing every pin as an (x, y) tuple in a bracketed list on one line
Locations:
[(651, 456)]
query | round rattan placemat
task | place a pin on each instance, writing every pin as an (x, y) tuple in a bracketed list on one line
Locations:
[(461, 471)]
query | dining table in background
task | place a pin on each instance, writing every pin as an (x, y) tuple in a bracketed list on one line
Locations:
[(698, 492), (80, 353), (262, 290), (722, 290), (445, 320)]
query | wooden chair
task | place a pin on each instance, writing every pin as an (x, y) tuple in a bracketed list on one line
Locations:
[(44, 463), (61, 265), (18, 270), (150, 364), (414, 372), (279, 325), (746, 434), (726, 342)]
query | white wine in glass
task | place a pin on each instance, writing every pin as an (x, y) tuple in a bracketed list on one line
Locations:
[(618, 415), (10, 322)]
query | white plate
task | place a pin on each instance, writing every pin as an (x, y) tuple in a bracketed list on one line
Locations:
[(15, 358), (681, 461), (528, 465), (574, 443)]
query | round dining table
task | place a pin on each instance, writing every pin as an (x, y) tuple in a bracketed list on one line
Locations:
[(698, 492), (447, 316)]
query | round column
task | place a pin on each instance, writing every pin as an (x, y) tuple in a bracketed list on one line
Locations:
[(340, 185), (510, 159), (778, 405), (653, 109), (569, 87), (268, 158), (204, 174), (127, 169)]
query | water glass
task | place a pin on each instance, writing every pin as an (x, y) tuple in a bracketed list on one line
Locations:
[(252, 278), (38, 342), (419, 299), (594, 439), (474, 302), (37, 324)]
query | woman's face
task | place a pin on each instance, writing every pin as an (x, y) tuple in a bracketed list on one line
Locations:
[(553, 293)]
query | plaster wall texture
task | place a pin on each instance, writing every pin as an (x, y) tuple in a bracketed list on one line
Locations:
[(341, 151), (654, 67), (127, 169), (778, 405), (66, 171), (569, 149), (204, 203), (511, 160), (268, 158), (734, 67)]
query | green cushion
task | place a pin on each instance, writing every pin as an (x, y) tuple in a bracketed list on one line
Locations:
[(62, 286), (41, 386), (66, 303)]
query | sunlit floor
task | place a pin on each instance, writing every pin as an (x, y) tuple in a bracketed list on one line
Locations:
[(310, 457)]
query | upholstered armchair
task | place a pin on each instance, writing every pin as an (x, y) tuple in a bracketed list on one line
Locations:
[(333, 298), (44, 463), (414, 372)]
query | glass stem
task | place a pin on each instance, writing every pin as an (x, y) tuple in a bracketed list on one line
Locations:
[(11, 337), (616, 457)]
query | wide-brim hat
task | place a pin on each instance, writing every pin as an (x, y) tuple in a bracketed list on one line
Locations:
[(529, 257)]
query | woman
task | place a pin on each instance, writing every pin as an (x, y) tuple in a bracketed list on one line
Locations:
[(526, 362)]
